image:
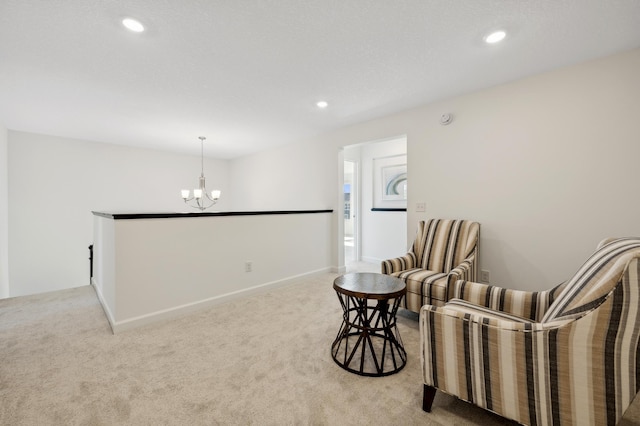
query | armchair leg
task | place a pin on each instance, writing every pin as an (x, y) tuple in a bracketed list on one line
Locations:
[(429, 393)]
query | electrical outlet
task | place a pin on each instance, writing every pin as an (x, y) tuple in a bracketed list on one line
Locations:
[(485, 276), (248, 266), (420, 207)]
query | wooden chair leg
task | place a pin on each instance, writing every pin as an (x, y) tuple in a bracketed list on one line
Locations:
[(429, 393)]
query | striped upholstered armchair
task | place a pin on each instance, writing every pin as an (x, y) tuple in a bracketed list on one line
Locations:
[(566, 356), (443, 252)]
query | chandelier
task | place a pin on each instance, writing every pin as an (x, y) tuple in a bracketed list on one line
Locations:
[(201, 198)]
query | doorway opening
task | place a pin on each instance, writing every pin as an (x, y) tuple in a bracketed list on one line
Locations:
[(374, 218), (350, 192)]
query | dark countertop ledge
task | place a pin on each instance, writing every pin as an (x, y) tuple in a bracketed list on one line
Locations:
[(118, 216)]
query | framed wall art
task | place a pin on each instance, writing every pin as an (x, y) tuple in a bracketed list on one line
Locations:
[(390, 182)]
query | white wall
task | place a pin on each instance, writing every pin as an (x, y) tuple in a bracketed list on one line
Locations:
[(548, 165), (148, 269), (55, 183), (293, 177), (4, 215)]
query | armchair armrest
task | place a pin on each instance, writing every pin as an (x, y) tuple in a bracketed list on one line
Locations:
[(475, 357), (466, 270), (408, 261), (480, 316), (525, 304), (454, 344)]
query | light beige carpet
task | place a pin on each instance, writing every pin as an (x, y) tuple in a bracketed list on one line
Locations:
[(263, 360)]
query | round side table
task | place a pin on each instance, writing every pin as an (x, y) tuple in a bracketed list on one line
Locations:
[(368, 342)]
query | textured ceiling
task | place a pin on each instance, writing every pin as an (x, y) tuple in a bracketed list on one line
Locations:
[(247, 73)]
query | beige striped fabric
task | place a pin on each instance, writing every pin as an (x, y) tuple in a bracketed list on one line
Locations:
[(594, 280), (580, 365), (481, 312), (529, 305), (444, 251)]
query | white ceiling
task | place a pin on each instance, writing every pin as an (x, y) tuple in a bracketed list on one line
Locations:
[(247, 73)]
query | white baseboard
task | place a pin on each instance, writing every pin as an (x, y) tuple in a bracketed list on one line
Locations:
[(339, 269), (179, 311), (105, 307)]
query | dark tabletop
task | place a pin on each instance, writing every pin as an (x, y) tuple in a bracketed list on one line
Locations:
[(368, 285)]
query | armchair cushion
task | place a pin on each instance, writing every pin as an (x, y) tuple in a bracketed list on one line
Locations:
[(443, 244), (423, 285)]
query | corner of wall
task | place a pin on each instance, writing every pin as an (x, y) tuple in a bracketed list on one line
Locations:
[(4, 213)]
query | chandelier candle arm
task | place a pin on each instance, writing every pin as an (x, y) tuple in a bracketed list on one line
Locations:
[(200, 193)]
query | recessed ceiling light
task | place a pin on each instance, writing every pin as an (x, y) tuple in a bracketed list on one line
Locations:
[(322, 104), (495, 37), (133, 25)]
